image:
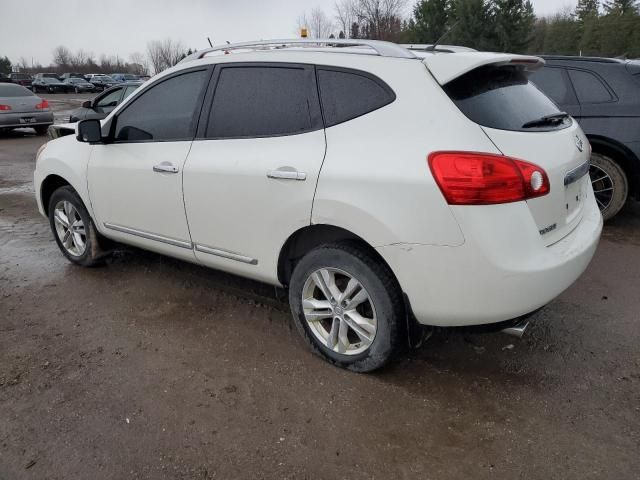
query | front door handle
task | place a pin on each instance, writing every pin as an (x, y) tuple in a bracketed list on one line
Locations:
[(165, 167), (287, 173)]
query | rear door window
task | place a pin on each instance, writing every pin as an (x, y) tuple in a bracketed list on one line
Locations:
[(554, 83), (348, 94), (261, 101), (589, 88), (502, 98)]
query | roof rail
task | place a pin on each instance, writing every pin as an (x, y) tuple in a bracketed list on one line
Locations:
[(429, 47), (384, 49), (574, 58)]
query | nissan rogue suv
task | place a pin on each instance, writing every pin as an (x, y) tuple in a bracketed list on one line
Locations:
[(381, 188)]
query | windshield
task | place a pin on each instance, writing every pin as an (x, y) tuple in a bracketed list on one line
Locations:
[(504, 98)]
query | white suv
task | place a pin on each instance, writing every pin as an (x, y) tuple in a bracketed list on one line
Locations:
[(380, 185)]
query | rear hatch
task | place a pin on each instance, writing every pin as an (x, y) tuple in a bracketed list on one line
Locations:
[(493, 91)]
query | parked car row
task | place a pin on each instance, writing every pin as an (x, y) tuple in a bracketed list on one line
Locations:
[(71, 82)]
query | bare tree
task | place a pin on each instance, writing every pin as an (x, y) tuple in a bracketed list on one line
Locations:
[(165, 53), (317, 23), (345, 15), (139, 64), (379, 19), (61, 56)]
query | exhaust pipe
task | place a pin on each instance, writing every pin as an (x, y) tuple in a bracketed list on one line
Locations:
[(517, 329)]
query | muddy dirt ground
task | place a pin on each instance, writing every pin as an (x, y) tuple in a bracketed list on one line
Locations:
[(152, 368)]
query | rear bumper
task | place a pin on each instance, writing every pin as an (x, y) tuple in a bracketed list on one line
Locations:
[(502, 271), (13, 119)]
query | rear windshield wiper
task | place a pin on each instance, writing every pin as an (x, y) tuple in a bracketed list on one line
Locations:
[(553, 119)]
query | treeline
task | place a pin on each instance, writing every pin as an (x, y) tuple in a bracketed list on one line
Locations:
[(160, 55), (595, 27)]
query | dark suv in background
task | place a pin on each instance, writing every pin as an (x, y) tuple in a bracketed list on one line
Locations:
[(603, 94)]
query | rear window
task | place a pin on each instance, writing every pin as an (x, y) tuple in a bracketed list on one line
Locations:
[(9, 90), (347, 94), (502, 98)]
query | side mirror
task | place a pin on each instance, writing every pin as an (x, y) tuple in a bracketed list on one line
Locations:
[(89, 131), (86, 104)]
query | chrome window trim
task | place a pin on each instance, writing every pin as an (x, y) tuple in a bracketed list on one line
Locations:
[(150, 236), (226, 254)]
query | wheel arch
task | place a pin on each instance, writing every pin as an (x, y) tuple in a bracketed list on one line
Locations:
[(49, 185), (311, 236), (623, 156)]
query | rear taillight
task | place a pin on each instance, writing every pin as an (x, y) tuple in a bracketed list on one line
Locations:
[(4, 108), (469, 178), (42, 105)]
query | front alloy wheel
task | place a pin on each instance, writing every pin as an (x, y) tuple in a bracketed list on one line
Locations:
[(73, 229), (70, 228)]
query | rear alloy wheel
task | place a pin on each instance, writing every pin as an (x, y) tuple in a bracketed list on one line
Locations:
[(610, 185), (73, 229), (348, 306)]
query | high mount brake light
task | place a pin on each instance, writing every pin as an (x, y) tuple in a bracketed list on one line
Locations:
[(469, 178)]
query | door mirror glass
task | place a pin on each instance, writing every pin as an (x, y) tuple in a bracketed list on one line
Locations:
[(89, 131)]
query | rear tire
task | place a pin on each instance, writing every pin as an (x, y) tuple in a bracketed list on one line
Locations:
[(73, 228), (610, 185), (41, 129), (348, 307)]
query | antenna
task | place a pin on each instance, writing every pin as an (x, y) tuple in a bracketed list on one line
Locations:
[(210, 44), (443, 36)]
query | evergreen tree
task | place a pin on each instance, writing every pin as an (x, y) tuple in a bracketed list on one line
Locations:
[(621, 7), (587, 9), (5, 65), (431, 20), (472, 25), (514, 20)]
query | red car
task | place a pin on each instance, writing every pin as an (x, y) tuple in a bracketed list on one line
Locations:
[(21, 79)]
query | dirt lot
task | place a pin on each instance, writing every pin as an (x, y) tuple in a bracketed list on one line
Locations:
[(153, 368)]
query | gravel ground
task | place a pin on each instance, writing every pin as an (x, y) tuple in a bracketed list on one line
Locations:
[(152, 368)]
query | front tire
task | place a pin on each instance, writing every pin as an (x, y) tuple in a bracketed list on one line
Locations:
[(348, 306), (73, 228), (610, 185)]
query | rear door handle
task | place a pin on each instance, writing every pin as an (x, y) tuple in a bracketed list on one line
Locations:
[(165, 167), (287, 173)]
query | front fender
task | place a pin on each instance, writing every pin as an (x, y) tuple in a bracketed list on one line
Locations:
[(68, 159)]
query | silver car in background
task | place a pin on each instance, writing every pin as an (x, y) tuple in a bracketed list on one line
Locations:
[(20, 108)]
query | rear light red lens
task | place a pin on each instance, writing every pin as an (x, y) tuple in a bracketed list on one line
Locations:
[(42, 105), (4, 108), (469, 178)]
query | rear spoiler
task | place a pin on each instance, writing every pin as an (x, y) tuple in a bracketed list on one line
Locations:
[(449, 67)]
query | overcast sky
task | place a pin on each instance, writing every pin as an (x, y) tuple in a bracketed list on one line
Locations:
[(31, 29)]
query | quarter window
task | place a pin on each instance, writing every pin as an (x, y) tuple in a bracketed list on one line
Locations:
[(552, 81), (166, 111), (589, 88), (256, 101), (347, 94)]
